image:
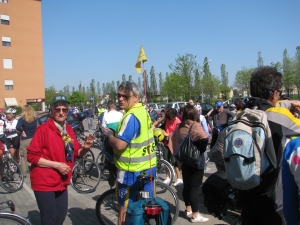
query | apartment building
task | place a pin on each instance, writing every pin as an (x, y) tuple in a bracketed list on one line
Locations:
[(21, 53)]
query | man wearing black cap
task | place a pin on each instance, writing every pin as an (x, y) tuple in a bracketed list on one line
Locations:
[(218, 119)]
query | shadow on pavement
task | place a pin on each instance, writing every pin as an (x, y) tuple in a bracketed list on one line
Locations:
[(75, 215)]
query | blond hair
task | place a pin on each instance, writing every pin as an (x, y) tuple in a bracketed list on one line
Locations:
[(28, 113)]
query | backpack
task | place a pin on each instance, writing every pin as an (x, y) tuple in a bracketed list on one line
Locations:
[(248, 149), (218, 195)]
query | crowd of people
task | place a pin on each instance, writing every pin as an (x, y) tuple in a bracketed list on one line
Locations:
[(51, 148)]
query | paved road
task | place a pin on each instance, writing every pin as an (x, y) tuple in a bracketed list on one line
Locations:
[(82, 206)]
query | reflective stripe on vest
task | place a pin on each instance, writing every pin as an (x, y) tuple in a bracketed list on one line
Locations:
[(140, 152), (135, 160)]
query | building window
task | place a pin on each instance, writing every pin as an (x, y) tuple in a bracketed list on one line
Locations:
[(9, 84), (6, 41), (4, 22), (7, 63), (4, 19)]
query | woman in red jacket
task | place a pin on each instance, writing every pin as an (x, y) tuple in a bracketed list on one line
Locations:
[(51, 154)]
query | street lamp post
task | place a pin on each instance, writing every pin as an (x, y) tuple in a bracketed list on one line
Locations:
[(202, 84)]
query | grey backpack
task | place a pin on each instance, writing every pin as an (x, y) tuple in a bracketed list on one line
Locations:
[(248, 149)]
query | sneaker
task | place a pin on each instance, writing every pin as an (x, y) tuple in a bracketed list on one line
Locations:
[(178, 182), (207, 169), (199, 219), (167, 180), (188, 213)]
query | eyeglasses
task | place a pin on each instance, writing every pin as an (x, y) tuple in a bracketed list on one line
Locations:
[(125, 97), (58, 110)]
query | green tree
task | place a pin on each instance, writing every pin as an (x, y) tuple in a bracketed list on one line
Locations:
[(225, 89), (66, 91), (209, 83), (197, 84), (297, 70), (172, 87), (49, 94), (123, 78), (77, 98), (130, 78), (118, 84), (153, 84), (140, 85), (242, 79), (185, 67), (260, 60), (288, 75), (160, 81)]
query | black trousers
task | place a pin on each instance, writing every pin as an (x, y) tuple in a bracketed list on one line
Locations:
[(192, 179), (53, 206), (258, 210)]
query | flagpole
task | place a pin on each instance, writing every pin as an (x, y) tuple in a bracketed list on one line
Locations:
[(145, 83)]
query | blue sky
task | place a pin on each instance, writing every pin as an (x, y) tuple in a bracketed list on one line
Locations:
[(100, 40)]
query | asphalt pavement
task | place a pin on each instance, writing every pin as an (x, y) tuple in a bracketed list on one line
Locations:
[(81, 210)]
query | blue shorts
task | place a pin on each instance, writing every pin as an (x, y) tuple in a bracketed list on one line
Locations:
[(128, 193)]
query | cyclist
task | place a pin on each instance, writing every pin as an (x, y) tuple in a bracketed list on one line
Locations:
[(134, 147), (217, 120), (1, 161), (111, 118), (12, 139), (100, 110)]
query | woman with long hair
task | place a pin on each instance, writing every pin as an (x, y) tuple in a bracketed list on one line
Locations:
[(192, 177), (26, 125)]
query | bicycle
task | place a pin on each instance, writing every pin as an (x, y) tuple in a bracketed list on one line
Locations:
[(10, 217), (12, 179), (107, 208), (85, 175), (163, 167)]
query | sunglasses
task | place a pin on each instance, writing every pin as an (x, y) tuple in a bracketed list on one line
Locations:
[(125, 97), (58, 110)]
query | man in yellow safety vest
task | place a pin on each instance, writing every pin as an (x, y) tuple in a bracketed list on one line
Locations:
[(134, 147)]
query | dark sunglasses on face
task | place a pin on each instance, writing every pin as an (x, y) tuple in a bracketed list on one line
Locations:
[(58, 110), (125, 97)]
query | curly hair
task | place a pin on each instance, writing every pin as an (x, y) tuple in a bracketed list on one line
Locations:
[(189, 113), (171, 113), (264, 81)]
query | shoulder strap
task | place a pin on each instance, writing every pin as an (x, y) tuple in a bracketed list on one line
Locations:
[(191, 128)]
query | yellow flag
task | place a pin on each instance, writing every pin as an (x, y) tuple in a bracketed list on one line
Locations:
[(142, 57)]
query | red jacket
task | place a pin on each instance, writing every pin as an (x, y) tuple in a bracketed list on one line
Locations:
[(47, 143)]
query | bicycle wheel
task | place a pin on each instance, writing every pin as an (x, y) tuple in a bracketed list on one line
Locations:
[(79, 136), (107, 208), (85, 176), (166, 193), (13, 177), (10, 218), (102, 163), (163, 168), (89, 155)]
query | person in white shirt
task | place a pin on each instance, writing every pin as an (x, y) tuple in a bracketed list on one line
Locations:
[(112, 117), (12, 139)]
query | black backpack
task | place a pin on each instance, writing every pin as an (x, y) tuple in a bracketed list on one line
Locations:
[(218, 194)]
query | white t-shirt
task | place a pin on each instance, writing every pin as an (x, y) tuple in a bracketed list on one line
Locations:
[(1, 126), (11, 126), (111, 119)]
